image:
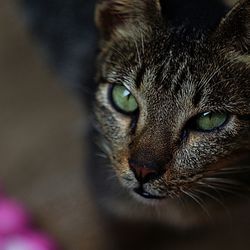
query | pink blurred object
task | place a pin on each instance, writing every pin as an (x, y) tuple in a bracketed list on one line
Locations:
[(16, 231), (13, 218), (27, 241)]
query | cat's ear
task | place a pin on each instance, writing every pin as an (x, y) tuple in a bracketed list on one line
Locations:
[(234, 30), (113, 15)]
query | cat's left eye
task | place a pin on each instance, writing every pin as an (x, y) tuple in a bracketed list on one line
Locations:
[(210, 121), (123, 100)]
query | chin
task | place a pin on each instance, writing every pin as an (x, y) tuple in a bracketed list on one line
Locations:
[(148, 201)]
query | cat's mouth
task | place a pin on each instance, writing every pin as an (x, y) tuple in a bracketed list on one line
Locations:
[(141, 191)]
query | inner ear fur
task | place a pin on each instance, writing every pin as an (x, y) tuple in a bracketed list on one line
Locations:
[(118, 14), (234, 30)]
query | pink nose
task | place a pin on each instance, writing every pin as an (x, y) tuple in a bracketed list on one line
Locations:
[(145, 173)]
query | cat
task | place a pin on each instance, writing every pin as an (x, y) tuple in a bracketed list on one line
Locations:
[(173, 102), (171, 113)]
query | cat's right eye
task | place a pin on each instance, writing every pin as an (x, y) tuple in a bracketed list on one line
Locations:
[(210, 121), (122, 99)]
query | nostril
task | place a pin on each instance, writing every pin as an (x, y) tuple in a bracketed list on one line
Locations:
[(146, 172), (143, 172)]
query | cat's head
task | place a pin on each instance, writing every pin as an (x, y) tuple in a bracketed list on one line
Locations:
[(173, 106)]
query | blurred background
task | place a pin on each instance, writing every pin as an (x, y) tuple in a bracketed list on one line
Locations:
[(41, 146)]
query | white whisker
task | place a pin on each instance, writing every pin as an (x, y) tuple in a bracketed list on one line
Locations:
[(197, 200), (217, 200)]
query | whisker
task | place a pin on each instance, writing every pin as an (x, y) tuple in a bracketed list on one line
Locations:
[(217, 200), (142, 43), (230, 172), (138, 53), (236, 169), (228, 79), (195, 198), (111, 177), (203, 204), (204, 184), (103, 146), (226, 189), (102, 155), (213, 74), (235, 184), (119, 53)]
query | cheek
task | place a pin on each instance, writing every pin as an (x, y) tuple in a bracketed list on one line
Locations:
[(199, 154), (113, 125)]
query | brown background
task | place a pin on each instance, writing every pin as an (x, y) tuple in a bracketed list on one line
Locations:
[(41, 149)]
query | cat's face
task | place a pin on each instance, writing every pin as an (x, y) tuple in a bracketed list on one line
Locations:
[(173, 109)]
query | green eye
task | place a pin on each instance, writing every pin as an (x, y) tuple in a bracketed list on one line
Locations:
[(123, 100), (210, 120)]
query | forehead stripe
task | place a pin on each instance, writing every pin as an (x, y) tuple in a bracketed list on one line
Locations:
[(139, 76)]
